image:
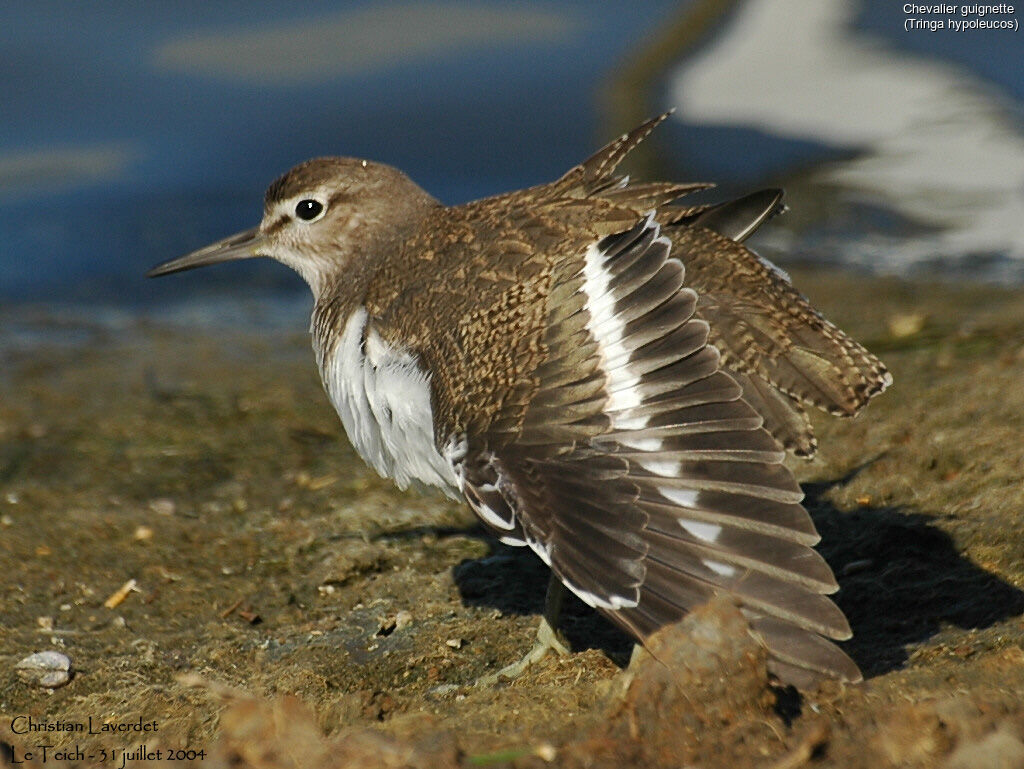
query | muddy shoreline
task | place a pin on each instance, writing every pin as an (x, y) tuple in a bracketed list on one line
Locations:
[(284, 592)]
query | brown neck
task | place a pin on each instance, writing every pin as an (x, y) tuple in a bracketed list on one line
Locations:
[(343, 288)]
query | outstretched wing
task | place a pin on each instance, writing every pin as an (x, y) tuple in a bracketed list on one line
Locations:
[(783, 353), (596, 176), (770, 330), (641, 475)]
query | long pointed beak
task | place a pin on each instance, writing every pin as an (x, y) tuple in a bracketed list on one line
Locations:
[(241, 245)]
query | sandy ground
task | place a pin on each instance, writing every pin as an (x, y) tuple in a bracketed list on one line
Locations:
[(291, 609)]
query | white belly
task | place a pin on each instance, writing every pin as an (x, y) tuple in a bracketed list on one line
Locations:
[(382, 395)]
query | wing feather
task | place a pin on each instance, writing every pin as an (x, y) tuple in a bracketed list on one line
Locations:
[(658, 371), (765, 329), (643, 477)]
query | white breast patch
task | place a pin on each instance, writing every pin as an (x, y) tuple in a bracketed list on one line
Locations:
[(382, 395)]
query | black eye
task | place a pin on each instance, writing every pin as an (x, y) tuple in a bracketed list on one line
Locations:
[(309, 209)]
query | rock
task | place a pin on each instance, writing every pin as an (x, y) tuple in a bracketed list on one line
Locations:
[(1001, 749), (283, 733), (49, 669), (705, 674)]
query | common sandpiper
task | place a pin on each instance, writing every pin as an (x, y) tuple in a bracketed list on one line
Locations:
[(607, 377)]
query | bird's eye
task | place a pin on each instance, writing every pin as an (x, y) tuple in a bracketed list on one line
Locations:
[(309, 209)]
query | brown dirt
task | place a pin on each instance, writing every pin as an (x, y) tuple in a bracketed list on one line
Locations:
[(293, 609)]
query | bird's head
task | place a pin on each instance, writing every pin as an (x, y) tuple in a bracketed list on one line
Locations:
[(319, 217)]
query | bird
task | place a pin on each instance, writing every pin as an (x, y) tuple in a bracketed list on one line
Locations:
[(607, 376)]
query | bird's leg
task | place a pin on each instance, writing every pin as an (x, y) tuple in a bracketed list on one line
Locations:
[(548, 636)]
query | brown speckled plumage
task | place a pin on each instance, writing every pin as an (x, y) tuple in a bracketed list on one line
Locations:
[(610, 377), (776, 344)]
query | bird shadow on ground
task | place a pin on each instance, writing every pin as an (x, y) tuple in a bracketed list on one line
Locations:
[(901, 580), (514, 581)]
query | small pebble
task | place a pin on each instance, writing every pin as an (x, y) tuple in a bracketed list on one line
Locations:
[(546, 752), (455, 643), (118, 596), (315, 484), (403, 619), (49, 669), (442, 690), (45, 623), (142, 534), (906, 324), (6, 520), (163, 506)]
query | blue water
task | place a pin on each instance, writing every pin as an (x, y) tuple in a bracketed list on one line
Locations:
[(112, 159)]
